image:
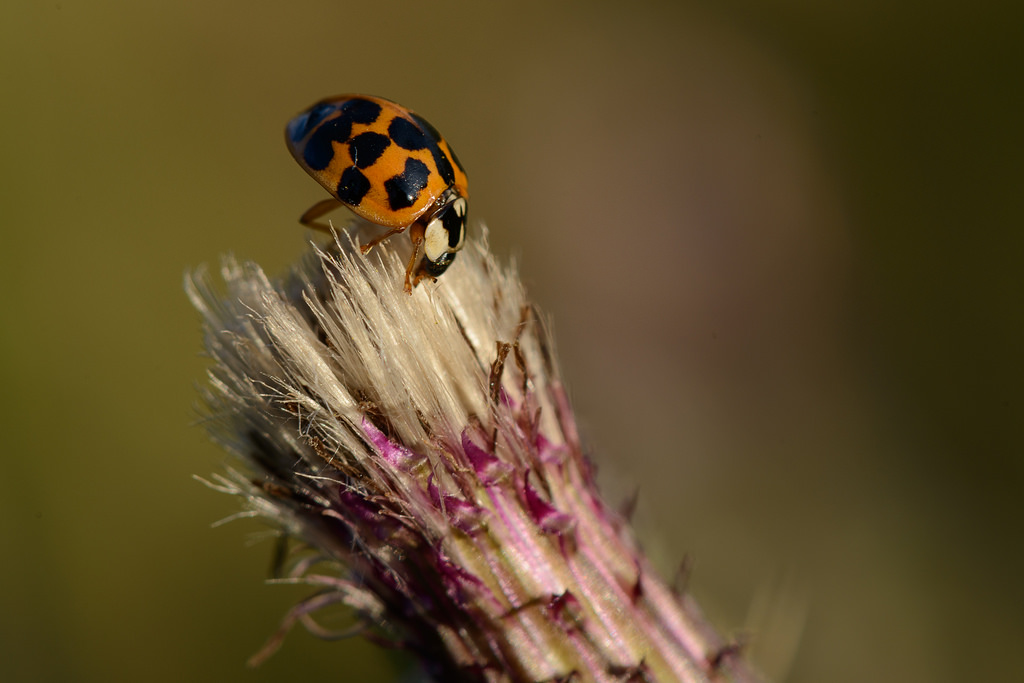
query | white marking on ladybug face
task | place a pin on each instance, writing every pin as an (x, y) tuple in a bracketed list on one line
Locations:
[(435, 240), (445, 234), (459, 207)]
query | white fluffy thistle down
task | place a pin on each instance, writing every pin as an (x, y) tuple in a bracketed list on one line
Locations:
[(423, 451)]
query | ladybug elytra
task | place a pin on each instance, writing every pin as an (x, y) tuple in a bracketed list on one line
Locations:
[(389, 166)]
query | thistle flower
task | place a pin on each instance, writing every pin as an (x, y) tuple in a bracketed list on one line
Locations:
[(423, 450)]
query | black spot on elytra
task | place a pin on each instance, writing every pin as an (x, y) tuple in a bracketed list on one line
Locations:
[(320, 150), (456, 160), (425, 125), (407, 134), (405, 188), (353, 186), (358, 110), (366, 148), (301, 125), (444, 166)]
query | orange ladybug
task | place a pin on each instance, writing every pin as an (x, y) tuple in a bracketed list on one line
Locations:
[(389, 166)]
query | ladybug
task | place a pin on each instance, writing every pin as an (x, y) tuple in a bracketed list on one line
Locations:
[(389, 166)]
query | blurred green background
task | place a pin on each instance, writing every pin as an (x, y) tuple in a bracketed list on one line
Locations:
[(781, 243)]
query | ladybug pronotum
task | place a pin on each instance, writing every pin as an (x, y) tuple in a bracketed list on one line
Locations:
[(389, 166)]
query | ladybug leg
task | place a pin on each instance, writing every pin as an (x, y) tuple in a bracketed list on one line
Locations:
[(417, 246), (377, 240), (309, 219), (416, 235)]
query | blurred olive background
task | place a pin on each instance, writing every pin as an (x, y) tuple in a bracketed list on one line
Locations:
[(781, 243)]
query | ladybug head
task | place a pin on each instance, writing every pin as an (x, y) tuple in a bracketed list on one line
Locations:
[(444, 236)]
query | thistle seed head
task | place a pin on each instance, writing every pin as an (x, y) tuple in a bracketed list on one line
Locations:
[(423, 451)]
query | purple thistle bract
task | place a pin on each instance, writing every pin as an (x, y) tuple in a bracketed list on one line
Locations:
[(423, 451)]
